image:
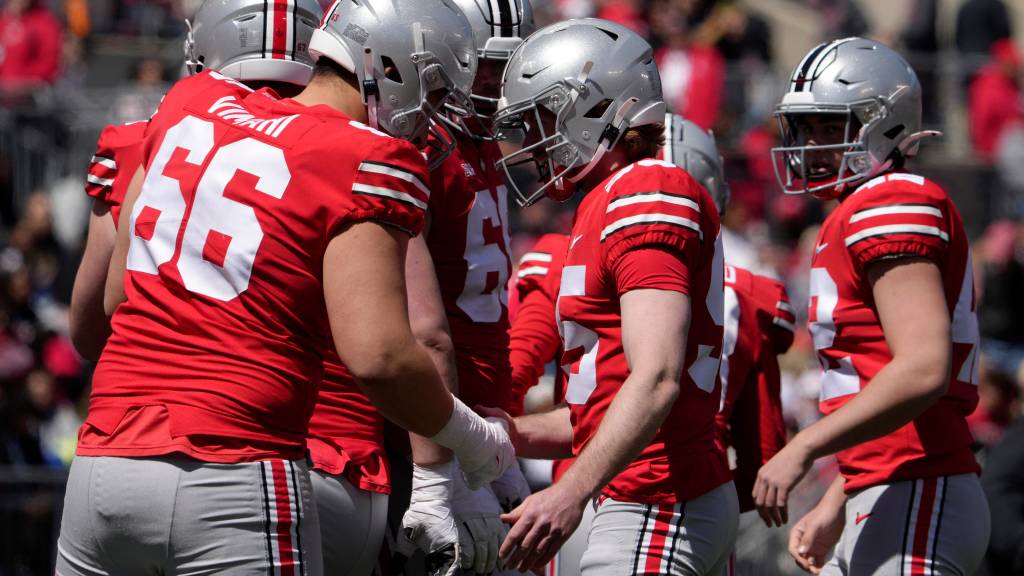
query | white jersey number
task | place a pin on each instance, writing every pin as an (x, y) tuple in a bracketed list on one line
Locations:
[(484, 261), (221, 237), (583, 375)]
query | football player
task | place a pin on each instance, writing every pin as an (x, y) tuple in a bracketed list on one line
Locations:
[(642, 362), (893, 322), (758, 326), (286, 69), (237, 244), (467, 241), (346, 436)]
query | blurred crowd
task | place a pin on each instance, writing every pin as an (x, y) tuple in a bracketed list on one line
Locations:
[(67, 67)]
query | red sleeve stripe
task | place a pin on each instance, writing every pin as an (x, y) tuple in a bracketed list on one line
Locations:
[(532, 271), (783, 323), (105, 182), (535, 256), (106, 162), (651, 219), (380, 191), (917, 229), (895, 209), (657, 196), (396, 172)]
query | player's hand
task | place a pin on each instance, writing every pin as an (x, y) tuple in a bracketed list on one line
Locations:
[(540, 525), (429, 523), (511, 489), (505, 417), (480, 528), (775, 481), (491, 455), (815, 535)]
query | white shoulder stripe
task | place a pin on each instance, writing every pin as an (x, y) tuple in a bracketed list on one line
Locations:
[(896, 229), (375, 168), (99, 181), (103, 161), (899, 209), (785, 307), (784, 324), (533, 271), (536, 256), (621, 173), (903, 177), (652, 197), (388, 193), (650, 219)]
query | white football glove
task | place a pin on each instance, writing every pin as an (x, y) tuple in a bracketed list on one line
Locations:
[(511, 488), (482, 446), (480, 529), (429, 524)]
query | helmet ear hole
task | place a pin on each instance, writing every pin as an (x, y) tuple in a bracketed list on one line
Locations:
[(391, 71), (598, 110), (893, 132)]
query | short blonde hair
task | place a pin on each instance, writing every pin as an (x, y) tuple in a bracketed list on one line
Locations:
[(644, 141)]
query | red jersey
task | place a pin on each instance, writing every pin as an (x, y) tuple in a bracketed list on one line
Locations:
[(533, 337), (468, 242), (649, 204), (894, 214), (217, 351), (117, 158), (346, 432), (758, 327)]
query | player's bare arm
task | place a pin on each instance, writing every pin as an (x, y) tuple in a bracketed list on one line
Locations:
[(912, 309), (366, 300), (114, 289), (654, 328), (429, 326), (89, 324)]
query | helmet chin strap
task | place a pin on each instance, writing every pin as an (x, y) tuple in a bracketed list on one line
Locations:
[(370, 88), (191, 63), (608, 138), (916, 137)]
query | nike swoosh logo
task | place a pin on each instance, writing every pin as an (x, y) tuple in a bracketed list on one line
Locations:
[(862, 517), (574, 241), (820, 247)]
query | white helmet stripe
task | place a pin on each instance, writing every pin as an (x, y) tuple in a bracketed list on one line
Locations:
[(279, 29), (492, 5), (505, 13), (800, 72)]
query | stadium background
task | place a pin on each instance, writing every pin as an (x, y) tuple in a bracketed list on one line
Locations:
[(69, 67)]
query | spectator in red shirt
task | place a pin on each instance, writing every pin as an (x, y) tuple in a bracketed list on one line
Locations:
[(30, 44), (625, 12), (994, 100), (692, 74)]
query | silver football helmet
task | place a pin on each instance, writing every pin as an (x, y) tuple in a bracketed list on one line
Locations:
[(412, 58), (877, 93), (693, 149), (253, 39), (596, 78), (499, 27)]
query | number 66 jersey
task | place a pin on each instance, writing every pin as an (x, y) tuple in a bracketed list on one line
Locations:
[(629, 233), (216, 353), (893, 215)]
